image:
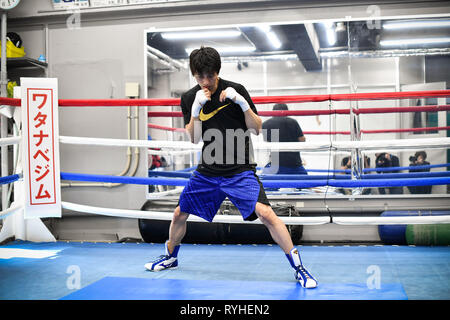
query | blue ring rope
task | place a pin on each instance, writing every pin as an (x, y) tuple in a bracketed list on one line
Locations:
[(9, 179), (177, 174), (364, 176), (123, 179), (407, 175), (188, 169), (172, 174), (269, 183), (429, 166)]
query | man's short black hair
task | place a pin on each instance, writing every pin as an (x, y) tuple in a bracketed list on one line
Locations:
[(205, 60), (280, 106), (344, 161), (421, 153)]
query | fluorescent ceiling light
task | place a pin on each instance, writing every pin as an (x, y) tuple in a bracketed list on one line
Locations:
[(264, 28), (331, 37), (402, 42), (201, 35), (271, 36), (237, 49), (276, 43), (331, 34), (416, 24)]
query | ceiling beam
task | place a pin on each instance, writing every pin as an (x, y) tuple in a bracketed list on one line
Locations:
[(304, 42)]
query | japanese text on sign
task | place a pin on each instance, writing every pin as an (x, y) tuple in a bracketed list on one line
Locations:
[(41, 146)]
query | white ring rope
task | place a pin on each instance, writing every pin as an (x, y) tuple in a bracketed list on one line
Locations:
[(158, 144), (237, 219), (393, 144), (9, 141), (154, 215), (10, 211), (442, 142), (162, 194), (171, 153), (437, 219)]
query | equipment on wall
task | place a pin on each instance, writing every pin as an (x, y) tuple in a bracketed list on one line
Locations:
[(14, 48), (8, 4)]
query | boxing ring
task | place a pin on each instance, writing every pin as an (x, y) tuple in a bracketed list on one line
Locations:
[(217, 272)]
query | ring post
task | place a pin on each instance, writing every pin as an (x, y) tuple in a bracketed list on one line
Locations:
[(356, 155), (40, 189)]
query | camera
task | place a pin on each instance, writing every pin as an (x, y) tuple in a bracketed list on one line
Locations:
[(412, 159), (382, 161)]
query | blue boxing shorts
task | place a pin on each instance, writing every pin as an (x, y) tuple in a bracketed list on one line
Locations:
[(203, 195)]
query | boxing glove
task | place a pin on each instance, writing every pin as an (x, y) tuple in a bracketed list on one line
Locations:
[(232, 94), (199, 101)]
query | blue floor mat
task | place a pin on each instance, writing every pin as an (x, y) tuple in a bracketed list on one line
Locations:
[(116, 288), (31, 271)]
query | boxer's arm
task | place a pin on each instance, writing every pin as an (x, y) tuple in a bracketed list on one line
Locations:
[(252, 120), (194, 129)]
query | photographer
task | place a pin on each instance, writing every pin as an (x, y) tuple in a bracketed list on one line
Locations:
[(386, 160), (419, 160)]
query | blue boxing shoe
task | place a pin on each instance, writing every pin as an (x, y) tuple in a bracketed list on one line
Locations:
[(301, 274), (163, 262)]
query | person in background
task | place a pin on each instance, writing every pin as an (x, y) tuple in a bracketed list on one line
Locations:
[(419, 160), (155, 162), (387, 160), (288, 131), (283, 129)]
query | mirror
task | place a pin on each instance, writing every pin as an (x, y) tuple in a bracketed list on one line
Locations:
[(314, 58)]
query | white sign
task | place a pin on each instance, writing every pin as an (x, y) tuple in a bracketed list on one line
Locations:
[(70, 4), (40, 141)]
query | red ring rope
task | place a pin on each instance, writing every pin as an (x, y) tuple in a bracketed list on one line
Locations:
[(407, 130), (10, 102), (281, 113), (257, 100), (171, 114), (326, 132), (155, 126), (265, 100), (118, 102), (403, 109)]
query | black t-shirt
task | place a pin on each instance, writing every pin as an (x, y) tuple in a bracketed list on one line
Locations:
[(227, 148), (289, 131)]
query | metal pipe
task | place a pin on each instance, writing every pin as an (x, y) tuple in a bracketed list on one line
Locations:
[(164, 56), (355, 132), (4, 75), (47, 50), (384, 53), (16, 153), (136, 136), (4, 120), (171, 67)]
